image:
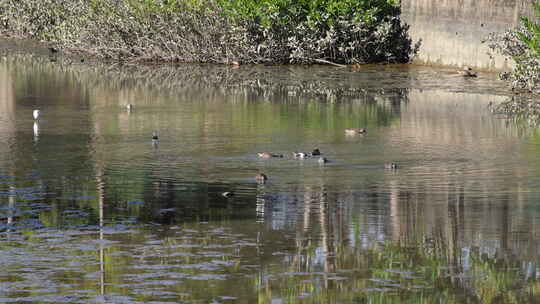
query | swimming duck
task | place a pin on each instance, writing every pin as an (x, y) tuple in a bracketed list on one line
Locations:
[(36, 113), (129, 107), (390, 166), (322, 160), (300, 155), (353, 131), (268, 155), (315, 152), (154, 136), (227, 194), (261, 177), (468, 72)]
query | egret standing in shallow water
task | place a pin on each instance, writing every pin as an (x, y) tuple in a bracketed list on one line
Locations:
[(35, 113), (36, 130)]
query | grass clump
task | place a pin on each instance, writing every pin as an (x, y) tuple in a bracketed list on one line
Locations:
[(216, 31)]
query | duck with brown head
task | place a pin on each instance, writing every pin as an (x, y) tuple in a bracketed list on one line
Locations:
[(468, 72), (315, 152)]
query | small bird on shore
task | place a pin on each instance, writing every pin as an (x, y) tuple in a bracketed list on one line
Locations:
[(261, 177), (129, 107), (36, 113), (353, 131), (322, 160)]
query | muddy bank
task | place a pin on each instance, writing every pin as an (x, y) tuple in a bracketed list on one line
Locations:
[(10, 46)]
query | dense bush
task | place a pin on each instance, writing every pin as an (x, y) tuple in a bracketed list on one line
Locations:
[(285, 12), (247, 31), (522, 44)]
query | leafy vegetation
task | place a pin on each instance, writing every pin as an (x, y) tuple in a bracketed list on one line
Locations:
[(532, 37), (221, 31), (522, 44)]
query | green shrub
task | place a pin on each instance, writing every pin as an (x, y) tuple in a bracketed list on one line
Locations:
[(311, 11), (531, 37)]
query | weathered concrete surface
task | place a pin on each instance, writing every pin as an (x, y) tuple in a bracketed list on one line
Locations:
[(452, 30)]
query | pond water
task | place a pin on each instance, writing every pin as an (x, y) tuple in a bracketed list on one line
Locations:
[(93, 210)]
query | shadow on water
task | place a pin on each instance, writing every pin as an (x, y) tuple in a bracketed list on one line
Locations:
[(92, 210)]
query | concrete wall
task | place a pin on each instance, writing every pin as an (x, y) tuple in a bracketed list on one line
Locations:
[(452, 30)]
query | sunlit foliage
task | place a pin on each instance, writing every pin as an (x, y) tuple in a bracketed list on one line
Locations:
[(221, 31)]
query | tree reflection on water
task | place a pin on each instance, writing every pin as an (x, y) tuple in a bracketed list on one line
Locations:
[(97, 212)]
